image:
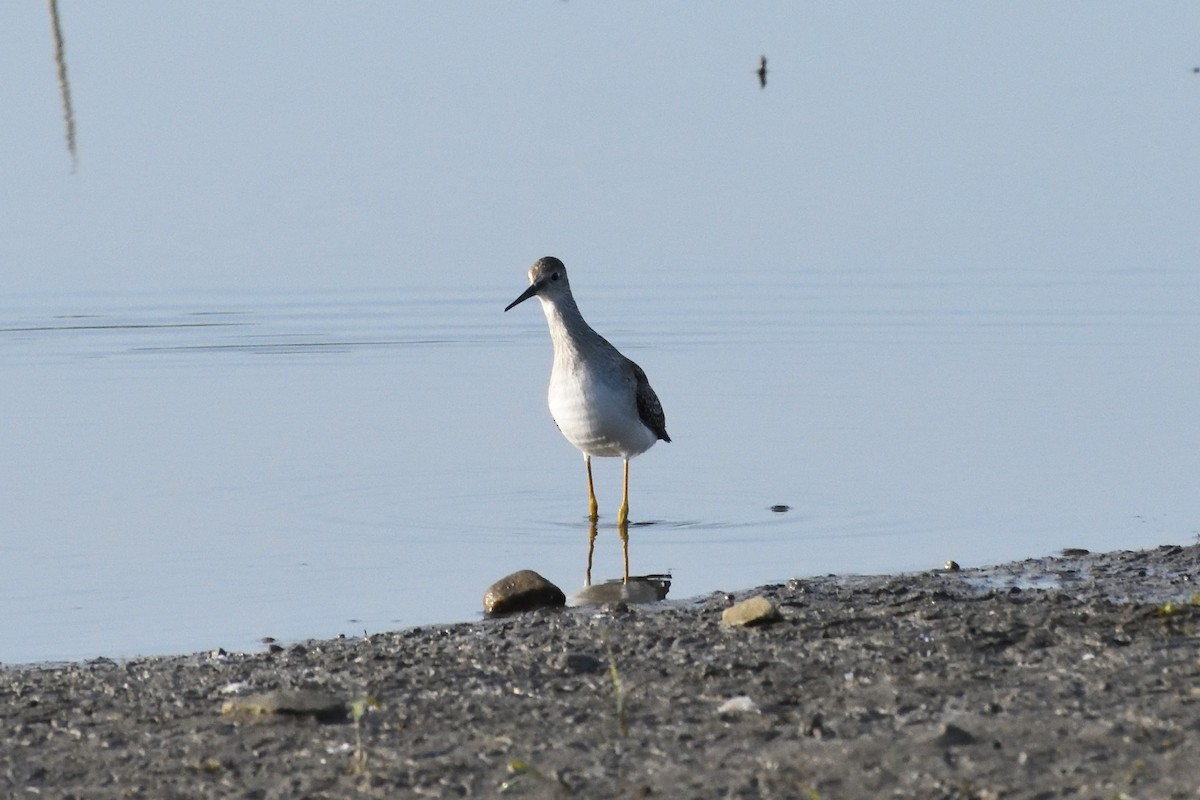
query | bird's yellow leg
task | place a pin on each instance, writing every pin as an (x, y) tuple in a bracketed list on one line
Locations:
[(623, 514), (587, 576), (624, 531), (593, 508)]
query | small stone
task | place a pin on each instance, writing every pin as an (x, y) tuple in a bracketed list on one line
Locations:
[(753, 611), (954, 736), (780, 508), (320, 705), (581, 663), (816, 727), (522, 591), (738, 705), (952, 566)]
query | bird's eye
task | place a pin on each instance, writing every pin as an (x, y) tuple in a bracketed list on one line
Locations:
[(554, 276)]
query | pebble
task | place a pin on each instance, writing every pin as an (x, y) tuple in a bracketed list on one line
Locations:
[(524, 590), (581, 663), (954, 736), (320, 705), (738, 705), (756, 610), (817, 729)]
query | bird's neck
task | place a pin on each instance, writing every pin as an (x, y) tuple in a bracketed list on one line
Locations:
[(568, 330)]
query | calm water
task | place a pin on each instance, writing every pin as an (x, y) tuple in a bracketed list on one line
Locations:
[(194, 471)]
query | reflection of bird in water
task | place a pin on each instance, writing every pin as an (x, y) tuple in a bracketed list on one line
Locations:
[(635, 589), (762, 72), (600, 400)]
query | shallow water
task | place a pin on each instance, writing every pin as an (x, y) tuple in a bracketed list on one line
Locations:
[(199, 470)]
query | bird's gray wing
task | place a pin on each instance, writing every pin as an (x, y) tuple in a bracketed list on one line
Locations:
[(649, 409)]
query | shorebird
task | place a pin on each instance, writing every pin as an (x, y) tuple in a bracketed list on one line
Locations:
[(599, 399)]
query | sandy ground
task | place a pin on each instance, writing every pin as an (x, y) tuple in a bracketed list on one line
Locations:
[(1076, 676)]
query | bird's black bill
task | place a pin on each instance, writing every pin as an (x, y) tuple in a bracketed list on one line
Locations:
[(525, 295)]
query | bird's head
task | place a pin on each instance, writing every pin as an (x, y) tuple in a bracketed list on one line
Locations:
[(547, 278)]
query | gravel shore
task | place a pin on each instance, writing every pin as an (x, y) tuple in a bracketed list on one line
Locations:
[(1074, 676)]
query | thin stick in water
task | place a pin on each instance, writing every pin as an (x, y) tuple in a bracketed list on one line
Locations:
[(64, 85)]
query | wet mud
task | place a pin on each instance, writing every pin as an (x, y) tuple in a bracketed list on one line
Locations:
[(1074, 676)]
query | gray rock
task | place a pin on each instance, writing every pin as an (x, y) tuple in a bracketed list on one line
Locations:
[(522, 591)]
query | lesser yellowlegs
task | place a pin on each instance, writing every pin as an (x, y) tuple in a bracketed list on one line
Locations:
[(600, 400)]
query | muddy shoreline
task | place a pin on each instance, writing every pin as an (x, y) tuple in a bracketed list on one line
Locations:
[(1072, 676)]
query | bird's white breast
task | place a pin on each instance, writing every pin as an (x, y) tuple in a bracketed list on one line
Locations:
[(596, 410)]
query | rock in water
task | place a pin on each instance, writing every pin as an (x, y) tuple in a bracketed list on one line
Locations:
[(522, 591)]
